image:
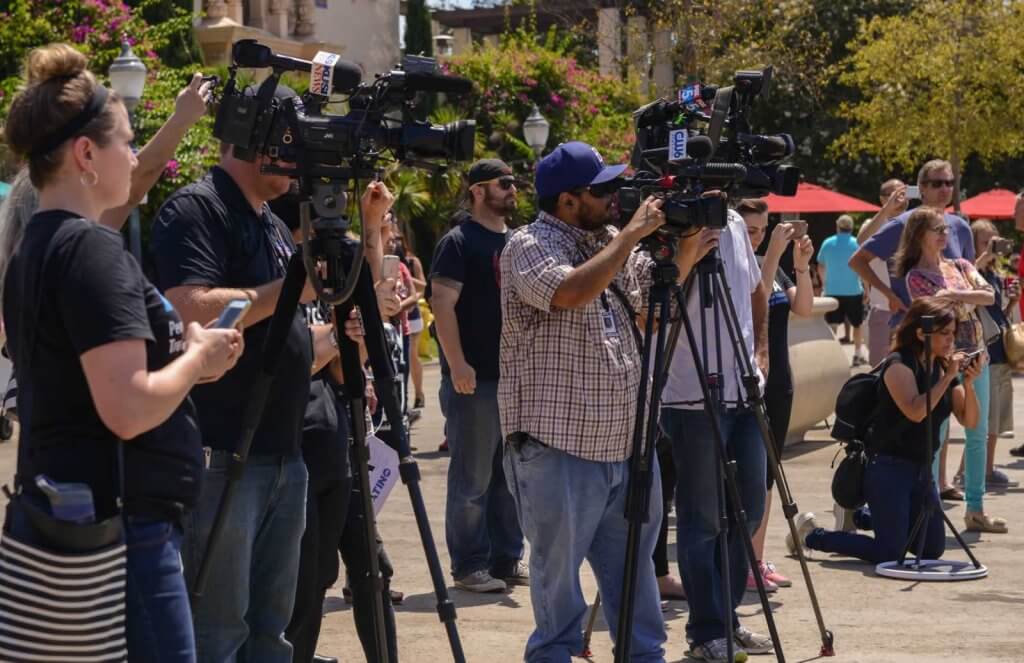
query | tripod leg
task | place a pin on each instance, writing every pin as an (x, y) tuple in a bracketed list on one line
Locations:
[(960, 540), (589, 631), (756, 401), (376, 347)]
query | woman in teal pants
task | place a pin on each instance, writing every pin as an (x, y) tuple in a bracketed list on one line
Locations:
[(920, 260)]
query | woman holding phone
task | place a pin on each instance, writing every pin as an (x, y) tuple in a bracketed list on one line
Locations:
[(919, 259), (103, 361), (897, 482)]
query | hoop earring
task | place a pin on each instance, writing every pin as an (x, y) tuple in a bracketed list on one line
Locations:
[(95, 178)]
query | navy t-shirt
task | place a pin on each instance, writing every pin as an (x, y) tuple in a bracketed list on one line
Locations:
[(325, 425), (779, 375), (90, 293), (884, 243), (468, 254), (207, 234)]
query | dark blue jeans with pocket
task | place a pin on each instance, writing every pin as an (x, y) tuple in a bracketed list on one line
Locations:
[(896, 489)]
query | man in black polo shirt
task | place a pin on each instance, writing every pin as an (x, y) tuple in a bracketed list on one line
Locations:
[(214, 241), (481, 526)]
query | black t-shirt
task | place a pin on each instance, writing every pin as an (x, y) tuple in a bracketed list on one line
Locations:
[(892, 433), (92, 293), (779, 375), (469, 254), (325, 425), (207, 234)]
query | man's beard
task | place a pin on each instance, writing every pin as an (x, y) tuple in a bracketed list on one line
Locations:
[(595, 219), (501, 203)]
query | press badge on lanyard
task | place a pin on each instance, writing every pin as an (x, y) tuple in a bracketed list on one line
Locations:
[(608, 319)]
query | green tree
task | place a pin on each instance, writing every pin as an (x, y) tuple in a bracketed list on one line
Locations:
[(942, 81), (418, 39)]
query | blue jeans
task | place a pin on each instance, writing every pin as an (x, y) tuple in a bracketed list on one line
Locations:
[(975, 446), (697, 511), (897, 490), (573, 509), (159, 618), (481, 526), (249, 598)]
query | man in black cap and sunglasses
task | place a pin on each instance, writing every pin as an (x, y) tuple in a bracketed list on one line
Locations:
[(481, 527)]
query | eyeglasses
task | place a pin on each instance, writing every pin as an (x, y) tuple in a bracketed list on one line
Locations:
[(938, 184), (940, 230)]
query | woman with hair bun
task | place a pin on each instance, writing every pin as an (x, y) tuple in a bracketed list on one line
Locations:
[(103, 361)]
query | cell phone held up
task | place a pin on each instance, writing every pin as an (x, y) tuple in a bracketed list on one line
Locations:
[(389, 268), (799, 229), (1002, 246), (233, 314)]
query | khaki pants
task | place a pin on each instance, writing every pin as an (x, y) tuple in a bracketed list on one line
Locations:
[(1000, 408)]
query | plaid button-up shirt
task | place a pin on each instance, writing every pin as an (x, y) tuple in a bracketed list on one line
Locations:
[(566, 379)]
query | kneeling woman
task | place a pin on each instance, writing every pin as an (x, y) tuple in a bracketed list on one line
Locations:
[(898, 481)]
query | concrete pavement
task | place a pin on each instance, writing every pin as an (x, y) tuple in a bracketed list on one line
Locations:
[(874, 619)]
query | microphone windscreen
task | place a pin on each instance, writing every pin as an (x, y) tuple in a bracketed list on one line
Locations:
[(427, 82)]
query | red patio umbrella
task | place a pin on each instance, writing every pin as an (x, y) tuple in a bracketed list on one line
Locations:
[(994, 204), (813, 198)]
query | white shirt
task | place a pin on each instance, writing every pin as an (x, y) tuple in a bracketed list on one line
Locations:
[(875, 296), (742, 275)]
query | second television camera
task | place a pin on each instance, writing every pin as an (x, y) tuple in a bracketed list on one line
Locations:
[(702, 142)]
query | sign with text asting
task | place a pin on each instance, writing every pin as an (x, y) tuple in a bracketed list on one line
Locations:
[(383, 469)]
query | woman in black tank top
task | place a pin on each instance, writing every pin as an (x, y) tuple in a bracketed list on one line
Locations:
[(898, 481)]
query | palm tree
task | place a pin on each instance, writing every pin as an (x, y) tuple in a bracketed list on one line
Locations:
[(411, 190)]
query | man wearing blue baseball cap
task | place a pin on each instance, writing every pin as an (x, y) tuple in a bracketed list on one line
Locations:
[(571, 287)]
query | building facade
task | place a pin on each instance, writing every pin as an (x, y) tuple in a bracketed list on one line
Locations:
[(362, 31)]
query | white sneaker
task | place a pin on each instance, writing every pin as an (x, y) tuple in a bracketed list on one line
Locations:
[(805, 524), (481, 582), (717, 651), (753, 643)]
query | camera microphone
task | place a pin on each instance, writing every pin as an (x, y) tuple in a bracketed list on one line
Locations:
[(769, 148), (420, 81), (697, 148), (251, 54)]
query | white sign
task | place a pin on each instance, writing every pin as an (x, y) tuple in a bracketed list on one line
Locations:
[(383, 470), (677, 145), (321, 74)]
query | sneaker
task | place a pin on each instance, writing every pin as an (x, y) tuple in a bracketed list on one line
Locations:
[(769, 586), (414, 416), (805, 524), (1007, 435), (716, 651), (859, 361), (999, 481), (481, 582), (1017, 451), (753, 643), (519, 574), (772, 574)]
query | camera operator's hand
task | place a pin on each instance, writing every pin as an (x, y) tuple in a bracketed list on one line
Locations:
[(647, 219), (374, 204), (218, 349), (192, 101), (463, 377), (803, 251), (354, 329), (388, 301), (694, 246)]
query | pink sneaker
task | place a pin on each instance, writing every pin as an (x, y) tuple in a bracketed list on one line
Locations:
[(771, 574), (769, 586)]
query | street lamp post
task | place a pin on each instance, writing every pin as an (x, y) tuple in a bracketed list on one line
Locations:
[(535, 130), (128, 78)]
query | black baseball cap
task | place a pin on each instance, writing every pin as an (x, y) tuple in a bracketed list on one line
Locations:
[(486, 170)]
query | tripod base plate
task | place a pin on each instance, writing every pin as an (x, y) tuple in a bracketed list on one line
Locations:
[(931, 570)]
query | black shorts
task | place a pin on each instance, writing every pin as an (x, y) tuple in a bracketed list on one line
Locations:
[(851, 309)]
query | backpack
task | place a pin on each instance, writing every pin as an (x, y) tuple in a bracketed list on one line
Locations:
[(855, 412)]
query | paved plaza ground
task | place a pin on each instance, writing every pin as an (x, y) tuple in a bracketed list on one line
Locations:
[(874, 619)]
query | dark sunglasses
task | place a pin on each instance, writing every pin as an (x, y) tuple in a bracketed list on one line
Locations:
[(602, 190), (936, 184), (506, 183)]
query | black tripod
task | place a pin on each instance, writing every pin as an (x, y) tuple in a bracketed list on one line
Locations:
[(346, 283), (665, 273), (930, 505)]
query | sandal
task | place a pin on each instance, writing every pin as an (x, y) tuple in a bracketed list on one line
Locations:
[(982, 522), (952, 495)]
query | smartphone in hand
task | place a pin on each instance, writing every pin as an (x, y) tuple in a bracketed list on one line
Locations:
[(233, 314), (799, 228), (389, 268)]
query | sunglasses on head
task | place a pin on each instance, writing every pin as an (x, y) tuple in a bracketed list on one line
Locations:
[(936, 184)]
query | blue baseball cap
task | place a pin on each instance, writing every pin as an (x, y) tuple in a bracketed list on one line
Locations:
[(572, 166)]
